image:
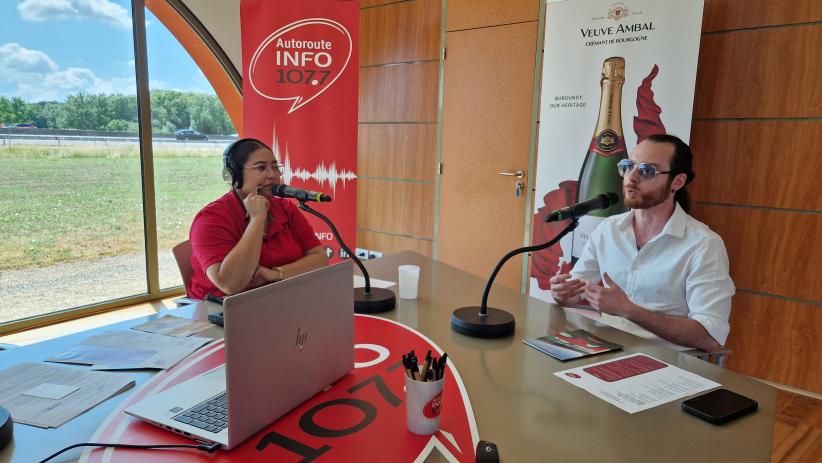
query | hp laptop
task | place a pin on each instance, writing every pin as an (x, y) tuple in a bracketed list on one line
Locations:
[(302, 326)]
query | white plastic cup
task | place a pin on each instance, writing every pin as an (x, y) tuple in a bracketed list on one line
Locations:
[(423, 404), (409, 281)]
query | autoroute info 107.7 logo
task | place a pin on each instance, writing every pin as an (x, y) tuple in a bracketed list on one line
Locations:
[(300, 61)]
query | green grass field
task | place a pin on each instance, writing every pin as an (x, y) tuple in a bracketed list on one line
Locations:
[(64, 204)]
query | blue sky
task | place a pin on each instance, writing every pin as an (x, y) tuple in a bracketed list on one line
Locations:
[(53, 48)]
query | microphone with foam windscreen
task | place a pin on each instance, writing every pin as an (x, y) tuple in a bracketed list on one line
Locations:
[(284, 191), (603, 201)]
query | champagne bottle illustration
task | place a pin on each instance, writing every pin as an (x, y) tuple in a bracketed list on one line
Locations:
[(599, 171)]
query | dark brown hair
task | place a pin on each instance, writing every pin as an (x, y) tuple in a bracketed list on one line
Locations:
[(235, 156), (681, 163)]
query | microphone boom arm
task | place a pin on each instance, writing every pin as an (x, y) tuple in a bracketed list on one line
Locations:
[(305, 207), (485, 322), (569, 228)]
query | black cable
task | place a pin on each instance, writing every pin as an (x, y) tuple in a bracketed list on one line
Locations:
[(210, 448), (211, 297)]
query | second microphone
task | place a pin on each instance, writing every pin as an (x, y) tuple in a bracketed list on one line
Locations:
[(603, 201)]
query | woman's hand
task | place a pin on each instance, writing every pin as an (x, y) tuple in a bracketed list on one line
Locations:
[(261, 277), (256, 205)]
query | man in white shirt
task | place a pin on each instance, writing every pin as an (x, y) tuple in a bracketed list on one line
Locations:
[(665, 274)]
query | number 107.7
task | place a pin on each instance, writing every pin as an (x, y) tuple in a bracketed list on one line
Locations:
[(298, 76)]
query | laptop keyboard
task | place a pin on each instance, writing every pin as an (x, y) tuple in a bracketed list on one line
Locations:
[(211, 415)]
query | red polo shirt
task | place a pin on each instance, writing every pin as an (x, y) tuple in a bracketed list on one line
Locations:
[(218, 227)]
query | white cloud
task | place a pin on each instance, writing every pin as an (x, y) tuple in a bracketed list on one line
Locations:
[(56, 10), (34, 76), (13, 56)]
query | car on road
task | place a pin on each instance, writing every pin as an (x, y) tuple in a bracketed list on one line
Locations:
[(188, 134), (25, 126)]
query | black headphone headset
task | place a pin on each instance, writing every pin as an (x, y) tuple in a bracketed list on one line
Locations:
[(232, 172)]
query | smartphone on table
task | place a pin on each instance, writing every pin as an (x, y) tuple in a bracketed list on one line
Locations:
[(719, 406)]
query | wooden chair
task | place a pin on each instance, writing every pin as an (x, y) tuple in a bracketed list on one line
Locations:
[(182, 254)]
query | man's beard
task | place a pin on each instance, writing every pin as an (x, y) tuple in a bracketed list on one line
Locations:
[(647, 200)]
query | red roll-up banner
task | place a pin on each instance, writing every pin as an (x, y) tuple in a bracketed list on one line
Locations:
[(300, 93)]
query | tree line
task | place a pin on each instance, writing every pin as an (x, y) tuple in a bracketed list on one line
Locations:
[(170, 110)]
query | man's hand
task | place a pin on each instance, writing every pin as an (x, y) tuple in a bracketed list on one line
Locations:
[(611, 299), (563, 288)]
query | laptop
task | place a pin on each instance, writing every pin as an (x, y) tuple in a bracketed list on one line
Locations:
[(284, 342)]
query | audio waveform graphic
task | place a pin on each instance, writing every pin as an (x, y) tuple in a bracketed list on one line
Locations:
[(322, 173)]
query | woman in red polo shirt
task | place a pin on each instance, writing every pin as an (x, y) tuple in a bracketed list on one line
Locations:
[(248, 237)]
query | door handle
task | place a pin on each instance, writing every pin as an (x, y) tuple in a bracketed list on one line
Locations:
[(517, 174)]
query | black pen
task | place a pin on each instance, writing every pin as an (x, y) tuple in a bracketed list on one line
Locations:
[(425, 367), (442, 364), (415, 370), (406, 366)]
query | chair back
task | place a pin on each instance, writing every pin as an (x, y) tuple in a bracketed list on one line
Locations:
[(717, 357), (182, 254)]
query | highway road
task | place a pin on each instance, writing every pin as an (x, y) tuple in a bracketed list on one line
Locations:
[(7, 139)]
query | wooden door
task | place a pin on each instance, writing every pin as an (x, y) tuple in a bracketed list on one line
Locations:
[(486, 121)]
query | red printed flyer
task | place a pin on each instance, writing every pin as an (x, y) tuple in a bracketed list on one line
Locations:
[(636, 382)]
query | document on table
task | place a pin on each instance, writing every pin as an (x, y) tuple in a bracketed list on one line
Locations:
[(47, 396), (130, 349), (359, 282), (636, 382), (171, 325)]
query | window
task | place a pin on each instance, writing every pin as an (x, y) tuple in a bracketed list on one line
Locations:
[(71, 210), (72, 195), (190, 131)]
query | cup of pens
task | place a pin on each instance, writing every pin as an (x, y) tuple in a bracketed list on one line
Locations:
[(423, 392)]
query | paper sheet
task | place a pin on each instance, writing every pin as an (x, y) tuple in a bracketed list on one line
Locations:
[(359, 282), (89, 389), (636, 382), (130, 349), (171, 325), (51, 391)]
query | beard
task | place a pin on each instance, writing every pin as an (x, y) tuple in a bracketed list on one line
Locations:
[(648, 199)]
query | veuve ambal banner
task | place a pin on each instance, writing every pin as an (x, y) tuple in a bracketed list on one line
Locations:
[(300, 91), (613, 74)]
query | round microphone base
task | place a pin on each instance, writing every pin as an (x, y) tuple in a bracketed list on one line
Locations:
[(495, 324), (6, 428), (377, 301)]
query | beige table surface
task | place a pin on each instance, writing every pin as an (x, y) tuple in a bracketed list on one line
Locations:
[(534, 416), (517, 401)]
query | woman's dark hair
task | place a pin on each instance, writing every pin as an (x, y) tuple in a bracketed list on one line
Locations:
[(681, 163), (235, 156)]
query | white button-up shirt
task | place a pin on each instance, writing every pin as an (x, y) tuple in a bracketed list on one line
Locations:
[(683, 271)]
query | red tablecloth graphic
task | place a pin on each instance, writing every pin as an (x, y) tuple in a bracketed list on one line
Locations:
[(361, 417)]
